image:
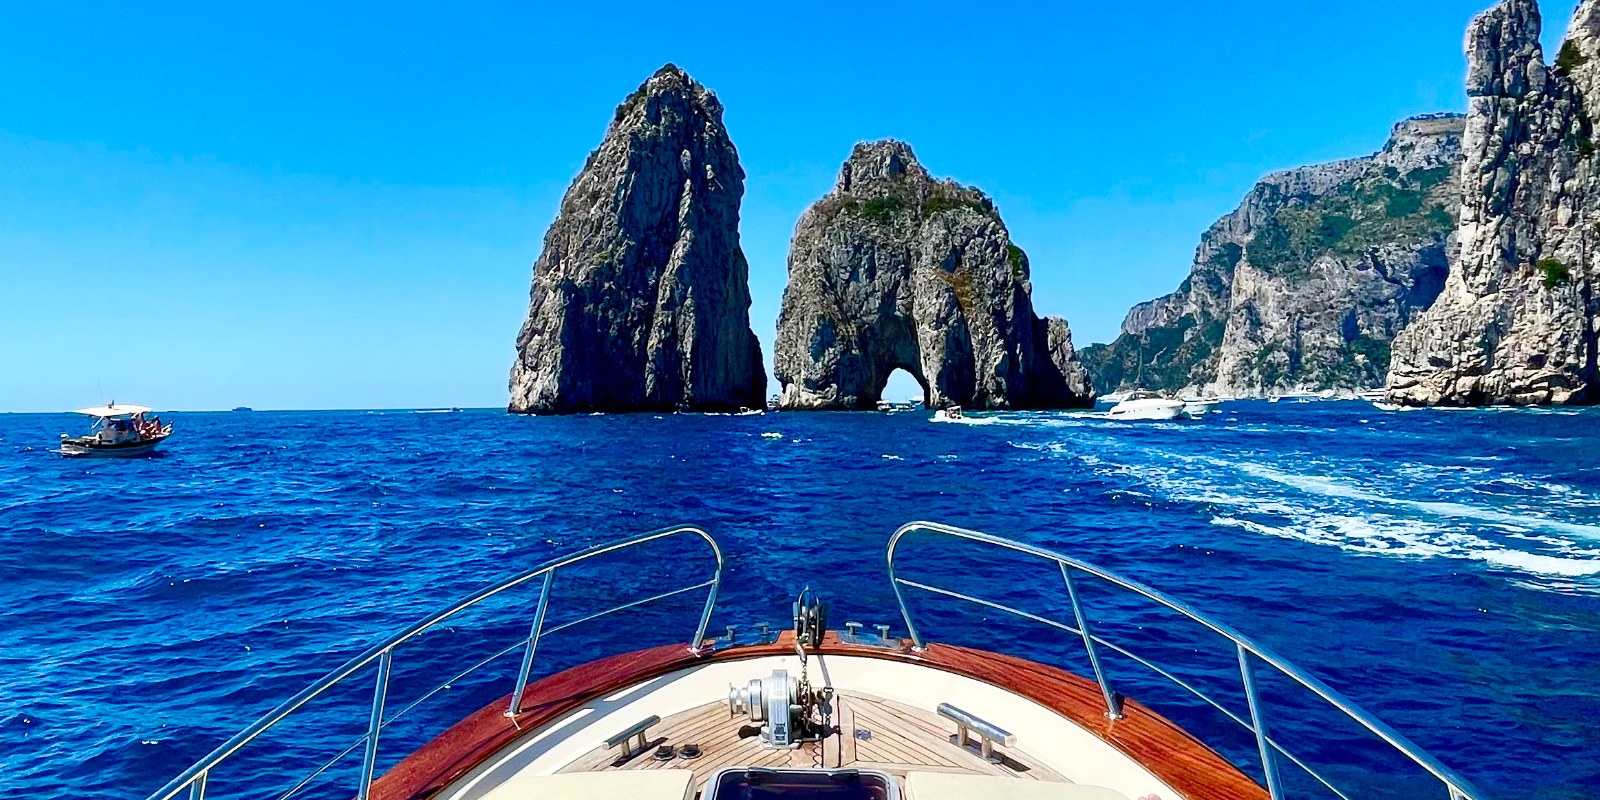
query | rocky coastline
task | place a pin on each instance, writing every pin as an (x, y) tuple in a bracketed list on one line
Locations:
[(1452, 267), (1305, 284)]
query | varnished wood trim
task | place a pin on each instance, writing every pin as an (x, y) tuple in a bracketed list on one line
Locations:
[(1169, 752)]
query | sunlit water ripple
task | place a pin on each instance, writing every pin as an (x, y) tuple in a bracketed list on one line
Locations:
[(1440, 568)]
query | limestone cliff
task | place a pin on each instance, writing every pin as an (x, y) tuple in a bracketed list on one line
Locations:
[(1306, 283), (640, 299), (896, 269), (1516, 322)]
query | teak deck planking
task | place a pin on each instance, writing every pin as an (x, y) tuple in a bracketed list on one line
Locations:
[(902, 739), (1180, 760)]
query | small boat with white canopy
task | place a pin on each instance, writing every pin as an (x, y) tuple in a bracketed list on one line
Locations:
[(118, 430)]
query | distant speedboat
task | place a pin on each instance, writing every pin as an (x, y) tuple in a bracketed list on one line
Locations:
[(117, 431), (1386, 406), (1144, 406), (1199, 406), (950, 414), (1298, 394)]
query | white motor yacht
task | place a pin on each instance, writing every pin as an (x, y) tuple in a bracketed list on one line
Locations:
[(1146, 406), (117, 431), (947, 414), (814, 713)]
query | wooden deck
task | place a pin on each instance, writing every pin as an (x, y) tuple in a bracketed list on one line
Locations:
[(873, 734), (1183, 762)]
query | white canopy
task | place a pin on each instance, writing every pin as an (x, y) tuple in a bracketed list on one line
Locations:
[(112, 410)]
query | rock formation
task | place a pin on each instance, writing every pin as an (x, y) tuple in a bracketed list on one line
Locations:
[(1516, 322), (894, 269), (640, 299), (1307, 282)]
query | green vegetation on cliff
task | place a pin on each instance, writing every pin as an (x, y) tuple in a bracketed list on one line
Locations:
[(1305, 285)]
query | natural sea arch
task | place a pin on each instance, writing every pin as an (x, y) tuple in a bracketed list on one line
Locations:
[(903, 386)]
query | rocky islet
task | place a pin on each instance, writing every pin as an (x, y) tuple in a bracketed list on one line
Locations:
[(641, 297), (897, 269)]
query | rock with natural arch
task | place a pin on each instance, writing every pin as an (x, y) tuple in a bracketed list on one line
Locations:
[(894, 269)]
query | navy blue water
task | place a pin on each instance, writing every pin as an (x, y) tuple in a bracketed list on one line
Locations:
[(1442, 569)]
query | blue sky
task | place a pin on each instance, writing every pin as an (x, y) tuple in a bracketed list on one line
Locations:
[(338, 207)]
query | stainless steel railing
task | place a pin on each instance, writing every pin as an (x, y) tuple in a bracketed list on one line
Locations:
[(1248, 652), (194, 778)]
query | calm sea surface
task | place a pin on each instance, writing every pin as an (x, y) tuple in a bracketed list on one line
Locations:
[(1440, 568)]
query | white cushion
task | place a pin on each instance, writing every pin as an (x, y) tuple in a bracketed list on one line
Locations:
[(615, 784), (958, 786)]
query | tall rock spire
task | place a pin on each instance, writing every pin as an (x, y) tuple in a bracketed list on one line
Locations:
[(1516, 320), (641, 299)]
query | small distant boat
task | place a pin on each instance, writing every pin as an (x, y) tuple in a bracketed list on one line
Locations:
[(117, 431), (1146, 406), (243, 408), (1387, 406), (947, 414), (1298, 394)]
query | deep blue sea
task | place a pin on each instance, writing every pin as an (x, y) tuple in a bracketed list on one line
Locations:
[(1440, 568)]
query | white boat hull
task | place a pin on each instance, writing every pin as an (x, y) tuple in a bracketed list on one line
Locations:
[(80, 449), (1155, 410)]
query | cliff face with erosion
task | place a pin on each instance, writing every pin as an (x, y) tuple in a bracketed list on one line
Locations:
[(1307, 282), (1516, 322), (894, 269), (640, 299)]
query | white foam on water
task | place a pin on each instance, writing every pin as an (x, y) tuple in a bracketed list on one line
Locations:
[(1547, 565), (1317, 484), (1346, 507)]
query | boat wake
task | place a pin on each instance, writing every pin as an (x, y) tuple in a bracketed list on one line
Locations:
[(1474, 511)]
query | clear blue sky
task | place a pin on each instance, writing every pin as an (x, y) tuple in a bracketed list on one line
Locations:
[(317, 207)]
